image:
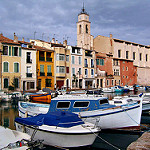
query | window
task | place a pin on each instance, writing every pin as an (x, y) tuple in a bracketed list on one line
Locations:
[(86, 28), (133, 55), (29, 57), (81, 104), (16, 82), (92, 63), (126, 68), (112, 82), (92, 72), (16, 67), (5, 50), (67, 57), (78, 51), (123, 68), (6, 66), (48, 82), (127, 77), (63, 104), (103, 101), (79, 71), (67, 69), (115, 62), (97, 61), (5, 82), (140, 56), (107, 82), (42, 73), (30, 85), (60, 57), (79, 29), (14, 51), (79, 60), (119, 82), (73, 50), (86, 72), (116, 72), (146, 57), (119, 53), (123, 77), (85, 63), (49, 71), (73, 61), (102, 62), (60, 69), (29, 71), (73, 71), (127, 54)]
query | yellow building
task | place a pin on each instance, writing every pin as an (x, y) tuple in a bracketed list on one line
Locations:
[(11, 62), (45, 68)]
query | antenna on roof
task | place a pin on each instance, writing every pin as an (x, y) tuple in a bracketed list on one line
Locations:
[(34, 34)]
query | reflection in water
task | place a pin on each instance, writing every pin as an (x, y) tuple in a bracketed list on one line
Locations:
[(8, 113)]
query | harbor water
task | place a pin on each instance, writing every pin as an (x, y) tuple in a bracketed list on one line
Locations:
[(107, 139)]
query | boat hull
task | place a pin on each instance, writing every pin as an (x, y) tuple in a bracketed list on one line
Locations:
[(126, 116), (55, 138)]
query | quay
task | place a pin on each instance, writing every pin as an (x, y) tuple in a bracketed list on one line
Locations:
[(142, 143)]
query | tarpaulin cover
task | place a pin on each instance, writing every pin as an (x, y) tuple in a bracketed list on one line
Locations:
[(60, 119)]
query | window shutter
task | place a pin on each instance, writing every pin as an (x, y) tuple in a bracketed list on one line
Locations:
[(9, 50), (41, 68), (12, 51), (49, 68), (5, 67), (19, 51), (5, 83)]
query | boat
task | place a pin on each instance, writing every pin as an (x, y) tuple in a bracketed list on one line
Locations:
[(118, 89), (12, 139), (146, 102), (42, 98), (59, 129), (108, 90), (91, 109)]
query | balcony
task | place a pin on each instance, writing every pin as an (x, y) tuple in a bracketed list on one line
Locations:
[(49, 73), (41, 58), (49, 59), (42, 73), (85, 65), (29, 61), (29, 75), (88, 54)]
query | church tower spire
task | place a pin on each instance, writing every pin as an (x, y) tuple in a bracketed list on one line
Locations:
[(83, 30)]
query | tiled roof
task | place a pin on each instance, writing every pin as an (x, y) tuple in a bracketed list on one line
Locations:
[(42, 48), (4, 39)]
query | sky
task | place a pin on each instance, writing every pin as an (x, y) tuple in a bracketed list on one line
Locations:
[(46, 19)]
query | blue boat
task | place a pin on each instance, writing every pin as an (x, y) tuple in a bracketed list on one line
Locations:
[(94, 109)]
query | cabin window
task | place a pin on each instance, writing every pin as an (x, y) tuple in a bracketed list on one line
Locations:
[(118, 102), (81, 104), (63, 104), (129, 100), (103, 101)]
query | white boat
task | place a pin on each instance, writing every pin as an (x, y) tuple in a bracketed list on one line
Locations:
[(90, 108), (108, 90), (11, 139), (59, 129), (146, 102)]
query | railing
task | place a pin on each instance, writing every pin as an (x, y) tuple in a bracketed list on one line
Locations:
[(41, 58), (49, 59), (49, 73), (42, 73), (29, 75), (87, 54)]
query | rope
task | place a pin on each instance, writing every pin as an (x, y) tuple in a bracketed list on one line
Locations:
[(104, 140)]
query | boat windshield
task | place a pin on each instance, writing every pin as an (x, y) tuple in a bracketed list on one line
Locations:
[(103, 101)]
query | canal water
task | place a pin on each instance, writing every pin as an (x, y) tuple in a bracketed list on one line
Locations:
[(107, 139)]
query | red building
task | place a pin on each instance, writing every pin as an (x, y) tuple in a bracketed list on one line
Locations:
[(128, 72)]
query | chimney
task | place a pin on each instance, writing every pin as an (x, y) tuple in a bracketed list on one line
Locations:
[(111, 36), (56, 41), (15, 38), (53, 40), (23, 39), (65, 43)]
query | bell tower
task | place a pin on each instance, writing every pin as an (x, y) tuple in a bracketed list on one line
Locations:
[(83, 30)]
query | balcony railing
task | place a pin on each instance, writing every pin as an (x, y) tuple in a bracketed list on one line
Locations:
[(29, 60), (88, 54), (42, 73), (29, 75), (49, 59), (41, 58), (85, 65), (49, 73)]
